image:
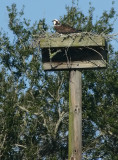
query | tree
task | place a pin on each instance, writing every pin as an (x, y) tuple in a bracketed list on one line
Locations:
[(32, 108), (34, 104), (100, 105)]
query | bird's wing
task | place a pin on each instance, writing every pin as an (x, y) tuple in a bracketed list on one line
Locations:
[(65, 29)]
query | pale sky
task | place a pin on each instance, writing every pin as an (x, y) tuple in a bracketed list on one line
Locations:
[(51, 9)]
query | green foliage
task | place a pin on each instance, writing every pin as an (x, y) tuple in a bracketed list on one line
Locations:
[(77, 19), (34, 105)]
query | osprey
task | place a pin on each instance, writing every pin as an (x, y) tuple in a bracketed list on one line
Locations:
[(64, 29)]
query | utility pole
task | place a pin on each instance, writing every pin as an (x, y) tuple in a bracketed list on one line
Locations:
[(74, 52), (75, 115)]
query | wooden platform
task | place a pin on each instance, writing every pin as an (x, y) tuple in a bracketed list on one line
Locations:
[(73, 51)]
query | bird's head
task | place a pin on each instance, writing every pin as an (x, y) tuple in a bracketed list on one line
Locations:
[(56, 22)]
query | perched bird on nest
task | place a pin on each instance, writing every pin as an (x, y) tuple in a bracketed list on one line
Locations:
[(63, 28)]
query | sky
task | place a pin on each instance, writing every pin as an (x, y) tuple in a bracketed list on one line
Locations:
[(53, 9)]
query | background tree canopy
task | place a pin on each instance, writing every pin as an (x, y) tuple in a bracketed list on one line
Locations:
[(34, 104)]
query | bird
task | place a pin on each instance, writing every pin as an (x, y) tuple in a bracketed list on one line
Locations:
[(63, 28)]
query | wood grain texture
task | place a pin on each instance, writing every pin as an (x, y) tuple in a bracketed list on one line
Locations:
[(75, 116), (97, 64), (72, 40)]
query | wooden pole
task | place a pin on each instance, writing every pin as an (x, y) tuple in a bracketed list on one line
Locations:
[(75, 115)]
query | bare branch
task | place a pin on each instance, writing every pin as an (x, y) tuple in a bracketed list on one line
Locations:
[(19, 145), (98, 53), (62, 115), (26, 110)]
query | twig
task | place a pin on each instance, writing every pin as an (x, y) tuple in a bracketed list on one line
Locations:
[(62, 115), (99, 54), (19, 145)]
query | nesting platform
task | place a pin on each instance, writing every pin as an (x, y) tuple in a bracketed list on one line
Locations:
[(73, 51)]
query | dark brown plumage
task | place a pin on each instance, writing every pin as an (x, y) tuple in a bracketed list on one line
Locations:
[(64, 29)]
